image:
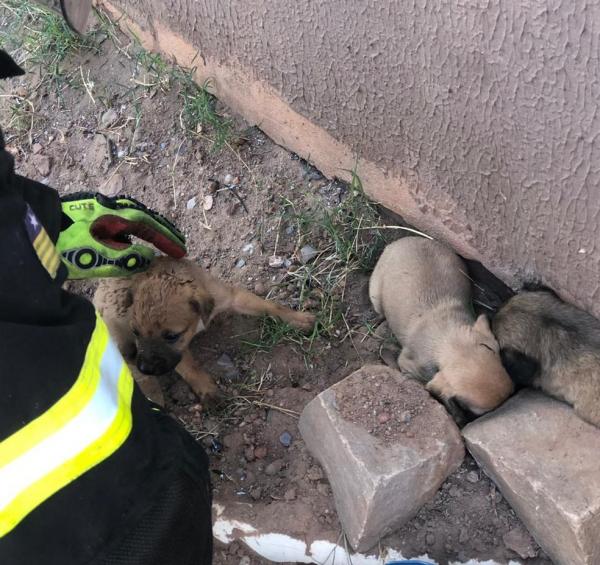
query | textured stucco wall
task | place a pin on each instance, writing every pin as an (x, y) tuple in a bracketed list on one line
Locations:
[(477, 120)]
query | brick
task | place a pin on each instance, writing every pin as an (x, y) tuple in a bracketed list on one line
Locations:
[(546, 462), (380, 483)]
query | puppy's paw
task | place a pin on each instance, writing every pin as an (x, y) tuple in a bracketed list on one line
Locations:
[(304, 321), (213, 400)]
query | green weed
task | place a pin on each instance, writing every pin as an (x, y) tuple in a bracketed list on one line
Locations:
[(199, 114), (350, 240), (38, 36)]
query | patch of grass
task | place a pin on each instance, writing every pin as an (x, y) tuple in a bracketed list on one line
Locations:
[(36, 35), (158, 74), (350, 239), (199, 115), (22, 115), (354, 228)]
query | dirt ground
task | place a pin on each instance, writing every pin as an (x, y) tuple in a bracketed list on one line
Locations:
[(110, 121)]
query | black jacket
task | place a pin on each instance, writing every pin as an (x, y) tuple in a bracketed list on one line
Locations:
[(44, 332)]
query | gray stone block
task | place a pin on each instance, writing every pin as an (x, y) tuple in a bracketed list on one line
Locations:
[(386, 447), (546, 462)]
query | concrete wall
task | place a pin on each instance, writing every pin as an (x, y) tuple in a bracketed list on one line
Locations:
[(476, 120)]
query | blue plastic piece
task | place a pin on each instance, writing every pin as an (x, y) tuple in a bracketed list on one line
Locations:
[(408, 562)]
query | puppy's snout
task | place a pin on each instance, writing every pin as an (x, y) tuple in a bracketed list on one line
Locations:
[(156, 360), (151, 366)]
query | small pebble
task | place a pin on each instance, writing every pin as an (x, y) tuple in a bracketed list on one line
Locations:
[(311, 173), (383, 417), (454, 491), (323, 489), (260, 452), (256, 493), (114, 186), (276, 261), (473, 476), (307, 253), (274, 468), (191, 203), (228, 179), (285, 439), (109, 118), (208, 201), (226, 363), (260, 289), (216, 446), (232, 208), (121, 153), (240, 263), (245, 560), (248, 249), (43, 164), (249, 454), (290, 494), (315, 473), (520, 542)]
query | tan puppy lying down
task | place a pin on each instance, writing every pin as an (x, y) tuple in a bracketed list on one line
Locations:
[(154, 316), (421, 288)]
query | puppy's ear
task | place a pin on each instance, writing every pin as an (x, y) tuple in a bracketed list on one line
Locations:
[(203, 306), (521, 368), (482, 324)]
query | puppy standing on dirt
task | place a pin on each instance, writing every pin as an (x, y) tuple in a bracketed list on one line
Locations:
[(548, 344), (154, 316), (421, 288)]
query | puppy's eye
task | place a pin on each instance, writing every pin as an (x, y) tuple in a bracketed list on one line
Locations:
[(136, 332), (487, 347), (171, 337)]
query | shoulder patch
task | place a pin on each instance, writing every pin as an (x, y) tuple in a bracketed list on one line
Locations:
[(41, 242)]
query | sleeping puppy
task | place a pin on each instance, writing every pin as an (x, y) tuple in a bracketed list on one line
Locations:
[(420, 286), (154, 316), (548, 344)]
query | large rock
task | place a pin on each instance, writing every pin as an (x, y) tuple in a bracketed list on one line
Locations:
[(546, 462), (386, 447)]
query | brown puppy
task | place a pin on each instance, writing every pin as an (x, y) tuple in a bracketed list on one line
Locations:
[(420, 287), (154, 315), (548, 344)]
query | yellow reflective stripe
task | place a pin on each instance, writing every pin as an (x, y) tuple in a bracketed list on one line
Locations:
[(46, 252), (96, 452), (40, 244), (66, 408), (54, 263), (81, 430)]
